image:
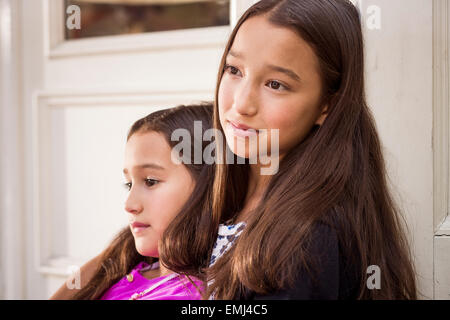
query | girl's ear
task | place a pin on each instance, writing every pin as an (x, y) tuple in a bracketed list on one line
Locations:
[(322, 116)]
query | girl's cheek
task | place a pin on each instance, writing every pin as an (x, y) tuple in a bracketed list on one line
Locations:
[(225, 95)]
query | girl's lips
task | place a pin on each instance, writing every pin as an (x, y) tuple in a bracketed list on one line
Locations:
[(139, 227), (242, 130)]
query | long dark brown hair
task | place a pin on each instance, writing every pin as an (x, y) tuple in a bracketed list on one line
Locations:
[(336, 175), (182, 248)]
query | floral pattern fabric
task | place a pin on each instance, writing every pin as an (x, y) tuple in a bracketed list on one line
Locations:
[(227, 235)]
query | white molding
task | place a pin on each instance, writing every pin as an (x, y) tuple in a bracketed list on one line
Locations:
[(53, 18), (444, 228), (43, 102), (441, 262), (57, 47), (13, 237), (441, 133)]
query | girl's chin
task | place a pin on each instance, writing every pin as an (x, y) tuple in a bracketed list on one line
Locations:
[(146, 252), (241, 148), (243, 151), (241, 154)]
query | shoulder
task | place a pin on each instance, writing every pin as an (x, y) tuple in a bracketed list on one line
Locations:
[(322, 281), (328, 278)]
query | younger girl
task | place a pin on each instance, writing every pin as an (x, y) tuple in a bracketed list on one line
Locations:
[(325, 221), (159, 255)]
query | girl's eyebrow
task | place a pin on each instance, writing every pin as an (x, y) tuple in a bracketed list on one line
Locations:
[(146, 166), (235, 54), (286, 71)]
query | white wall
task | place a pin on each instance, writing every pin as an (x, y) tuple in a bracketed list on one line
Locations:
[(400, 88)]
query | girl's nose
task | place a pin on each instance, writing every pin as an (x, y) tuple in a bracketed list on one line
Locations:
[(245, 99), (133, 205)]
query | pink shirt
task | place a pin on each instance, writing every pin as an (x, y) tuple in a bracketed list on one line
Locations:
[(169, 287)]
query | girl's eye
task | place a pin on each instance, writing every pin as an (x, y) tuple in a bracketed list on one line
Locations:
[(233, 70), (276, 85), (150, 182), (127, 186)]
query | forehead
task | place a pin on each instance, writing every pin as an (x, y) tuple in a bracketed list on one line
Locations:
[(145, 147), (260, 41)]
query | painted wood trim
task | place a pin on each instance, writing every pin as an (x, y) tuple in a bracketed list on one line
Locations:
[(440, 111)]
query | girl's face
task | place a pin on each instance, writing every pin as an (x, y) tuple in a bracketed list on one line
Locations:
[(271, 81), (158, 188)]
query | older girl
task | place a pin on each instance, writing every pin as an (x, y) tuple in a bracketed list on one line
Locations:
[(316, 227)]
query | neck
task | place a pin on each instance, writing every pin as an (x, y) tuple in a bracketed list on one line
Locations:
[(257, 182), (155, 273), (163, 271), (256, 187)]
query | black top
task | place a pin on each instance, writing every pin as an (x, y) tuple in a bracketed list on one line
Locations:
[(336, 278)]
